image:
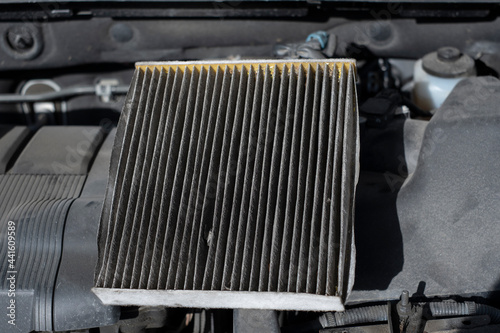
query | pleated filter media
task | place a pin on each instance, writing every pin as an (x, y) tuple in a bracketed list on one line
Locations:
[(232, 186)]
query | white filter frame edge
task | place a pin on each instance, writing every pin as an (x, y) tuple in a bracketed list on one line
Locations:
[(214, 299)]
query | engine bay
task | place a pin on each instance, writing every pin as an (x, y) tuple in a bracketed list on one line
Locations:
[(249, 166)]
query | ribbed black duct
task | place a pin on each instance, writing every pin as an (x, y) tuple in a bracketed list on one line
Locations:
[(231, 179)]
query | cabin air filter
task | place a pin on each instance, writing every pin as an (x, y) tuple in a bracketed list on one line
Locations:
[(232, 186)]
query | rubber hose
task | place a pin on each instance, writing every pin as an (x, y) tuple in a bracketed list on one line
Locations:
[(449, 309), (369, 314), (378, 313)]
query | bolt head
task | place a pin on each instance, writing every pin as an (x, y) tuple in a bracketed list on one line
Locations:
[(20, 39)]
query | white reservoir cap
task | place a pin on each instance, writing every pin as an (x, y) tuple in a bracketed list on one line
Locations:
[(437, 73)]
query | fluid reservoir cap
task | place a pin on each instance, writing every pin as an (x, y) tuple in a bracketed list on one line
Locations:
[(448, 62)]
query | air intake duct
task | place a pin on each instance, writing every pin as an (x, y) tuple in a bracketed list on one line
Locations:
[(232, 186)]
